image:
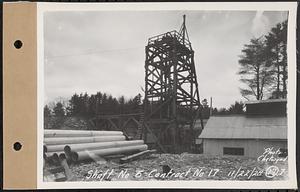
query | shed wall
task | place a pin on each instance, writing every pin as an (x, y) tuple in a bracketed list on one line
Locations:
[(252, 148)]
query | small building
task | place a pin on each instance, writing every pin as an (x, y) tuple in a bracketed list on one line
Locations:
[(264, 125)]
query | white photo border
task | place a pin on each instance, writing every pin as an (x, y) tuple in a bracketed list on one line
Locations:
[(291, 7)]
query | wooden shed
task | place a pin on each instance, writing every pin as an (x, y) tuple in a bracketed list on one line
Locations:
[(249, 134)]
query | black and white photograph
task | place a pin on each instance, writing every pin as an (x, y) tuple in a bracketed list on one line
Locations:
[(166, 95)]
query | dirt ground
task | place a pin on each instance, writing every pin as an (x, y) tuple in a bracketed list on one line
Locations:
[(181, 167)]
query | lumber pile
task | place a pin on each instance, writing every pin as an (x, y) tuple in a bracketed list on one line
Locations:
[(79, 145)]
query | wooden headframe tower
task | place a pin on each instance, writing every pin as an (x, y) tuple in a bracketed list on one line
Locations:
[(172, 101)]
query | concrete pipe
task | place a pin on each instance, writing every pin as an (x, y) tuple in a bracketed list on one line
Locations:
[(83, 155), (72, 140), (53, 148), (62, 157), (100, 145), (53, 158), (54, 154), (78, 133)]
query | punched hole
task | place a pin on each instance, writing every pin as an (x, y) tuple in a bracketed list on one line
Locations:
[(17, 146), (18, 44)]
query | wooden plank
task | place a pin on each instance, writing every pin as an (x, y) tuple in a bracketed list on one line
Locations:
[(136, 156), (113, 124), (117, 116)]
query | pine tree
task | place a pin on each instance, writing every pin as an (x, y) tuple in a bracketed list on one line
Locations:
[(255, 70), (276, 41), (59, 110), (121, 102), (47, 111), (92, 103), (73, 108), (236, 108), (99, 96)]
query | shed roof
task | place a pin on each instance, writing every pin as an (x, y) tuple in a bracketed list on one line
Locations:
[(266, 101), (242, 127), (272, 107)]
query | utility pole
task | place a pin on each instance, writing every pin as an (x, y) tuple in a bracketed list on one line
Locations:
[(210, 114)]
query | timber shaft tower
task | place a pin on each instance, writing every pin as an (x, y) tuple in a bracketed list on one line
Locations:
[(172, 102)]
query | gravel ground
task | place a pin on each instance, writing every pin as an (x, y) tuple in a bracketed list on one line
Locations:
[(181, 167)]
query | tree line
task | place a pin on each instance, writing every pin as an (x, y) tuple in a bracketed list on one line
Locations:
[(236, 108), (88, 106), (263, 65), (85, 105)]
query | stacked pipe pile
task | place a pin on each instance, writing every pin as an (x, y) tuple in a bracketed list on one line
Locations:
[(78, 145)]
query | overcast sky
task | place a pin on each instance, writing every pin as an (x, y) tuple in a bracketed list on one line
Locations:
[(104, 51)]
